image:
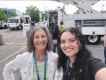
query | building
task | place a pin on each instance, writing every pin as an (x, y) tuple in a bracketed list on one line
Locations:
[(8, 11)]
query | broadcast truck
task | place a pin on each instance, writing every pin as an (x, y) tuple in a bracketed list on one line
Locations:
[(92, 24)]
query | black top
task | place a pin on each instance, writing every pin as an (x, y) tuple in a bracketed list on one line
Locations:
[(95, 66), (55, 35)]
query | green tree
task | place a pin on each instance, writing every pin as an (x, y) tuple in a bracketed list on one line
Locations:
[(43, 15), (102, 11), (13, 14), (33, 11), (3, 15), (23, 13), (59, 8), (77, 12)]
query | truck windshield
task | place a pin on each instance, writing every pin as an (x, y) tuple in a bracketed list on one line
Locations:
[(11, 21)]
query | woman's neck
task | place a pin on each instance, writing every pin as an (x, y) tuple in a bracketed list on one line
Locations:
[(72, 59), (40, 55)]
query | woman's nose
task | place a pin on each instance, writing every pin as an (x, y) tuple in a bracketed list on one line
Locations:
[(40, 38), (67, 44)]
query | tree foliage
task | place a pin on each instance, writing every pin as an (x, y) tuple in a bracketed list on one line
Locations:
[(23, 13), (43, 15), (33, 11), (3, 15), (12, 14), (77, 12), (59, 8), (102, 11)]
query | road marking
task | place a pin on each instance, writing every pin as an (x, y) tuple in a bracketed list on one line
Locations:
[(101, 47), (13, 39), (90, 47), (12, 46), (12, 55), (96, 48), (15, 46)]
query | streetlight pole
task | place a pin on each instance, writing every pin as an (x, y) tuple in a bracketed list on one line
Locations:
[(6, 8), (103, 7), (45, 8)]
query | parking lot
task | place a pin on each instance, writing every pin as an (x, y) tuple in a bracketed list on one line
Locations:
[(16, 43)]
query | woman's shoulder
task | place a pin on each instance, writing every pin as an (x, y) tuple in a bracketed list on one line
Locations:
[(95, 65), (25, 55), (52, 54)]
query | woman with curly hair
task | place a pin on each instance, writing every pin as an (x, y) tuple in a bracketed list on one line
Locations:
[(75, 61)]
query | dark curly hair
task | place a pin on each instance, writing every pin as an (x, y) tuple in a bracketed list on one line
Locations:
[(82, 57)]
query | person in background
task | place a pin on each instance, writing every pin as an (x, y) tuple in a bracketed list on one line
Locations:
[(55, 35), (53, 21), (105, 47), (32, 25), (39, 62), (75, 61), (21, 26), (62, 27), (51, 28)]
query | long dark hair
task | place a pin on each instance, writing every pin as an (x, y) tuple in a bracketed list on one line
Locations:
[(56, 30), (82, 57)]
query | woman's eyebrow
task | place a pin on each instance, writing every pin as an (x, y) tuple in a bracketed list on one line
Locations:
[(69, 38)]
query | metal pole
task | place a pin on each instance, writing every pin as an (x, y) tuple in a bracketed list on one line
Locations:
[(45, 8), (7, 11), (102, 7)]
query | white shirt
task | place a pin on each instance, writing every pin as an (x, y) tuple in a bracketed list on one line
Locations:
[(25, 63)]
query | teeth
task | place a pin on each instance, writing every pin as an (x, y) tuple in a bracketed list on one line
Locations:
[(40, 44), (68, 49)]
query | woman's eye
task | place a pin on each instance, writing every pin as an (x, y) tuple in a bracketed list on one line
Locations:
[(72, 40), (36, 37)]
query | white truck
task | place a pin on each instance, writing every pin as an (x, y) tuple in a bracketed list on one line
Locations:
[(15, 22), (3, 24), (92, 24)]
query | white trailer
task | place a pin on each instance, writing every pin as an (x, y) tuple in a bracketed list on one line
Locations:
[(15, 22), (92, 24)]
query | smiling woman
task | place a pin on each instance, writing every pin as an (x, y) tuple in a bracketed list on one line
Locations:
[(39, 62), (75, 61)]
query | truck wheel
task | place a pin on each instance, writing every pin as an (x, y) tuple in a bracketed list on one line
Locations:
[(93, 39), (11, 29), (17, 28), (5, 27)]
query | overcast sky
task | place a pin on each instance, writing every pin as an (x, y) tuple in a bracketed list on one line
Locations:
[(46, 5)]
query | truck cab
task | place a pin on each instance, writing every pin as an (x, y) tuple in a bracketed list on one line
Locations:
[(15, 22)]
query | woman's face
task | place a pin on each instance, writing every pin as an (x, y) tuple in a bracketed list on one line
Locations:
[(40, 39), (68, 44)]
